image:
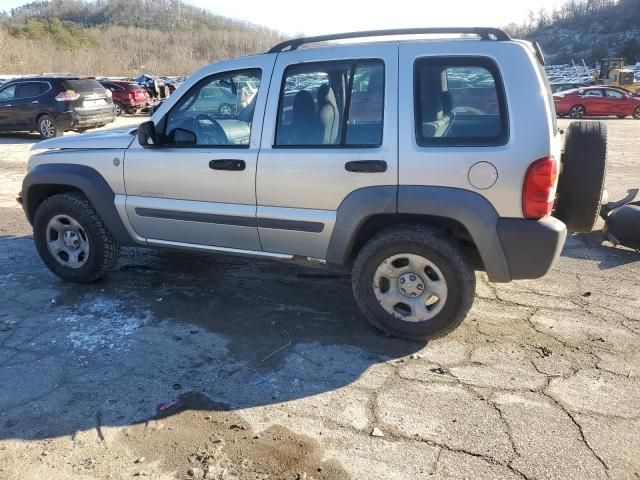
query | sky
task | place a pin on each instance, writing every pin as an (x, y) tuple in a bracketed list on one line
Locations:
[(331, 16)]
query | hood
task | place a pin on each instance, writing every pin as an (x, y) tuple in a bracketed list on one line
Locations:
[(105, 139)]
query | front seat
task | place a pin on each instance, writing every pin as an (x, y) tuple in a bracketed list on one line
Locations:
[(328, 114), (305, 128)]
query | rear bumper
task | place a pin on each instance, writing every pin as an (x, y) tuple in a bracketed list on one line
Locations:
[(71, 120), (531, 247)]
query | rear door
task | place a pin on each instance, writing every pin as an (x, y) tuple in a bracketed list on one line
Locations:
[(330, 129), (27, 102)]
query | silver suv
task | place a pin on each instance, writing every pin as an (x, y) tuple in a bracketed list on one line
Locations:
[(410, 162)]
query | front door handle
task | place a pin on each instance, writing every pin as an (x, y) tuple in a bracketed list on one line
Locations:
[(229, 165), (35, 102), (366, 166)]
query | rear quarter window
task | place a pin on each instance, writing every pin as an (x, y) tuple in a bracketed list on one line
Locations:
[(459, 101)]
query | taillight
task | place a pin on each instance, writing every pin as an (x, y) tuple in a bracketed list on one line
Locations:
[(67, 96), (539, 189)]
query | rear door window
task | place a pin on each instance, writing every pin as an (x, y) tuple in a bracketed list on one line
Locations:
[(459, 102), (31, 89), (331, 104)]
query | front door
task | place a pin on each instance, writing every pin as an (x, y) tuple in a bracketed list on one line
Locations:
[(198, 188), (330, 129)]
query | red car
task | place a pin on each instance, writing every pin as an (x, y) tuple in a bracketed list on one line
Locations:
[(597, 101), (128, 97)]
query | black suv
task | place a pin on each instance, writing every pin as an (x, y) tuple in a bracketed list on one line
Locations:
[(51, 104)]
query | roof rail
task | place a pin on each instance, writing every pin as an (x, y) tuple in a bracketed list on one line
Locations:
[(483, 32)]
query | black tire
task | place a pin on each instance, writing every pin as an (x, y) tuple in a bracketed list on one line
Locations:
[(577, 112), (104, 250), (581, 183), (433, 245), (636, 114), (118, 109), (47, 127)]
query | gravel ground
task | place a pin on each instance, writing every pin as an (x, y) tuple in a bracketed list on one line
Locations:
[(179, 365)]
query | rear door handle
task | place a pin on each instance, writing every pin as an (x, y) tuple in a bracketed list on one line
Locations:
[(229, 165), (366, 166)]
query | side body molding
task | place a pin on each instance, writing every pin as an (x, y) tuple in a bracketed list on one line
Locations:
[(85, 179)]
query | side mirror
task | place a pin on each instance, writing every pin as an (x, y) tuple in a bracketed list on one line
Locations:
[(182, 137), (147, 134)]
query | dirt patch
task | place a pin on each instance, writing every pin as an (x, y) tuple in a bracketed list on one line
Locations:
[(218, 444)]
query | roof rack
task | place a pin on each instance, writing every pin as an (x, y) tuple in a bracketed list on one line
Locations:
[(483, 32)]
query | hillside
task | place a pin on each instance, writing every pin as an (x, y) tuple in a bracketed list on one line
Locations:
[(122, 37), (589, 29)]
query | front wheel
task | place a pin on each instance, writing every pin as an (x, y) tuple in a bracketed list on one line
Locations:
[(72, 240), (578, 111), (413, 282), (47, 127)]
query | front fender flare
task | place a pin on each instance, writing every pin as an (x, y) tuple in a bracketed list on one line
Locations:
[(81, 177)]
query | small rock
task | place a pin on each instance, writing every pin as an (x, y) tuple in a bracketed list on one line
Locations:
[(586, 294), (415, 356), (177, 386), (438, 370), (45, 453), (545, 352), (139, 460), (207, 417), (376, 432), (195, 472)]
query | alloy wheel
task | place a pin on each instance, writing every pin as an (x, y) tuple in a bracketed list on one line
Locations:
[(47, 128), (67, 241), (410, 287)]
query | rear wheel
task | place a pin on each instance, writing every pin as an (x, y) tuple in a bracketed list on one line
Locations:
[(47, 127), (72, 240), (412, 282), (118, 109), (577, 111), (581, 183), (636, 113)]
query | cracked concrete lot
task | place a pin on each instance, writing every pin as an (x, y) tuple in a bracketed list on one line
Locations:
[(178, 365)]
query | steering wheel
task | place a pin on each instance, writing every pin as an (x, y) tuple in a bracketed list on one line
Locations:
[(214, 134)]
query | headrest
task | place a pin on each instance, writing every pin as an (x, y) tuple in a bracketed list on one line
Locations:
[(303, 105), (325, 95)]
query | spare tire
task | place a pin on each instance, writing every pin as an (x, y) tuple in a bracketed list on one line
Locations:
[(581, 183)]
